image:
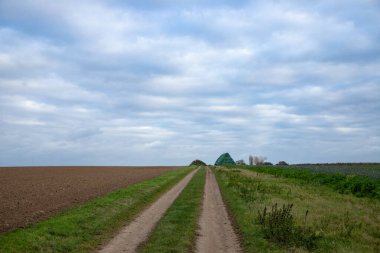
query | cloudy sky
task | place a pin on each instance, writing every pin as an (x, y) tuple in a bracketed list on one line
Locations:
[(162, 82)]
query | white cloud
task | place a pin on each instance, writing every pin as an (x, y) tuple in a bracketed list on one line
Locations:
[(347, 130), (26, 122), (50, 86), (31, 105)]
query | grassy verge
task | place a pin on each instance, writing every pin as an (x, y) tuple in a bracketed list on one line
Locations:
[(360, 186), (176, 232), (82, 229), (307, 217)]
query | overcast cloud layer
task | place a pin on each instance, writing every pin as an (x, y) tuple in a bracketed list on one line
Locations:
[(166, 82)]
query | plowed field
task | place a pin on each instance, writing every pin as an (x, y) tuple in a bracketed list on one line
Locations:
[(30, 194)]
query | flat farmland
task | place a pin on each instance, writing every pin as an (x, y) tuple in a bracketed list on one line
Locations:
[(31, 194)]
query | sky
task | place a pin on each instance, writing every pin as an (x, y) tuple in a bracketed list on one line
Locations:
[(163, 82)]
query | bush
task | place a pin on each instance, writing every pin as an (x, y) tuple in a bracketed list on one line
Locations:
[(279, 227), (240, 162), (197, 163)]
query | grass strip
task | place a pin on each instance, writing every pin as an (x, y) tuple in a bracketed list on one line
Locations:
[(83, 228), (252, 236), (320, 219), (176, 231), (360, 186)]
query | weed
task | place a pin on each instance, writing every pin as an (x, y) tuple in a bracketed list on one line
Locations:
[(249, 189), (347, 226), (279, 227)]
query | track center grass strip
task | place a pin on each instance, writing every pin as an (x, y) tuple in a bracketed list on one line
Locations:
[(176, 231), (83, 228)]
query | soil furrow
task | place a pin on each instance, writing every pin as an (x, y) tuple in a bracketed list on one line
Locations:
[(216, 231), (135, 233), (32, 194)]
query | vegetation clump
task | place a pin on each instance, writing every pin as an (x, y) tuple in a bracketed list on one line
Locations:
[(278, 226), (224, 159), (256, 160), (197, 163), (240, 162)]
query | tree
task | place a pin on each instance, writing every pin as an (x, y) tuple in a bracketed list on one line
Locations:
[(197, 163), (240, 162), (282, 163), (251, 160), (259, 160)]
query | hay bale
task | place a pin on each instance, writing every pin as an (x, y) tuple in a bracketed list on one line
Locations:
[(225, 159)]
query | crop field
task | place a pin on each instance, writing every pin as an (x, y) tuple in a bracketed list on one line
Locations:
[(359, 185), (30, 194), (359, 169)]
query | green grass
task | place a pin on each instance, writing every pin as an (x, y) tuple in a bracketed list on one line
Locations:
[(83, 228), (334, 223), (176, 231), (360, 186)]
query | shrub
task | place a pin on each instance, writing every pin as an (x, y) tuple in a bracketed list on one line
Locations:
[(240, 162), (279, 227), (197, 163)]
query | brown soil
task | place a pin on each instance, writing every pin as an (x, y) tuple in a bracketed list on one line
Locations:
[(135, 233), (216, 232), (30, 194)]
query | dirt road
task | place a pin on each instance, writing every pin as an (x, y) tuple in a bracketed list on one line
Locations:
[(131, 236), (216, 232), (30, 194)]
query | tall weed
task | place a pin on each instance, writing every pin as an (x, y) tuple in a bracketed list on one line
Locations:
[(279, 227)]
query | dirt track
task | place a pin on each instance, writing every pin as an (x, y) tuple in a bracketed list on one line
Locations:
[(138, 230), (216, 232), (30, 194)]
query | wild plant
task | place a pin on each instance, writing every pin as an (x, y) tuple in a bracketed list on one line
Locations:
[(348, 226), (279, 226)]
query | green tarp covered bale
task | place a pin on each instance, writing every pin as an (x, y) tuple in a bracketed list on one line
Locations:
[(225, 159)]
